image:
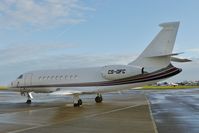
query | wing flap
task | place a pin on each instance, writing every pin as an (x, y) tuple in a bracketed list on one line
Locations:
[(71, 92)]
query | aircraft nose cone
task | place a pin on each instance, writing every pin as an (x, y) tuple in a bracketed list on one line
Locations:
[(12, 84)]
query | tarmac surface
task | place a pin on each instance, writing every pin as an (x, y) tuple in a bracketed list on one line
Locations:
[(176, 111), (127, 113), (135, 111)]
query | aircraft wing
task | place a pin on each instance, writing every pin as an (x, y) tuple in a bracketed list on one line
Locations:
[(71, 91), (64, 92)]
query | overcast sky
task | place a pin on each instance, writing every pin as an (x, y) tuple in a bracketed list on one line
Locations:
[(54, 34)]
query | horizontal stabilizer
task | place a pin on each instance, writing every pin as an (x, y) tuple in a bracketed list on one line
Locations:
[(177, 59), (172, 54)]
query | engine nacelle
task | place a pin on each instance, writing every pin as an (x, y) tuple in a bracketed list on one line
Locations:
[(114, 72)]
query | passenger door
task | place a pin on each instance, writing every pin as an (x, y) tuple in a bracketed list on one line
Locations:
[(28, 79)]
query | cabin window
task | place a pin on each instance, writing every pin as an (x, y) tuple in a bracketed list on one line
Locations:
[(61, 77), (20, 77), (56, 77), (48, 77), (40, 78), (75, 77), (71, 76), (44, 77)]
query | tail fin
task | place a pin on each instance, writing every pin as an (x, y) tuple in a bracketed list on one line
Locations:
[(158, 53)]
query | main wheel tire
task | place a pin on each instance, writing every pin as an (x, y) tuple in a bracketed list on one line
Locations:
[(76, 105), (80, 102), (28, 101), (101, 99), (98, 99)]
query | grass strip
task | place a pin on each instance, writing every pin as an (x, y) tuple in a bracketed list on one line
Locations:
[(3, 88), (168, 87)]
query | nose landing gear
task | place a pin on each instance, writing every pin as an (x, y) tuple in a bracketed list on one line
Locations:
[(29, 95), (28, 101), (25, 92)]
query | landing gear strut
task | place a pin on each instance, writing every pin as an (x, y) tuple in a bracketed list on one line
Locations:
[(29, 95), (98, 98), (77, 101)]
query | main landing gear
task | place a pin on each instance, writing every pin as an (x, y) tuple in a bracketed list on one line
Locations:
[(98, 98), (77, 101)]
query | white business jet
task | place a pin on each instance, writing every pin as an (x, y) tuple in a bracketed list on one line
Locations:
[(153, 65)]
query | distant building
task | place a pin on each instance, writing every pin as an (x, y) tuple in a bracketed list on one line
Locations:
[(166, 84)]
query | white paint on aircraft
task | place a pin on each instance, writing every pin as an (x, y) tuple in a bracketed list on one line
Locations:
[(153, 65)]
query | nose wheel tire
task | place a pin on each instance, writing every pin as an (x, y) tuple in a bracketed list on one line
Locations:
[(28, 101)]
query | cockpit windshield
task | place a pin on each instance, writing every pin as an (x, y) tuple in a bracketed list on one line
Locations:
[(20, 77)]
